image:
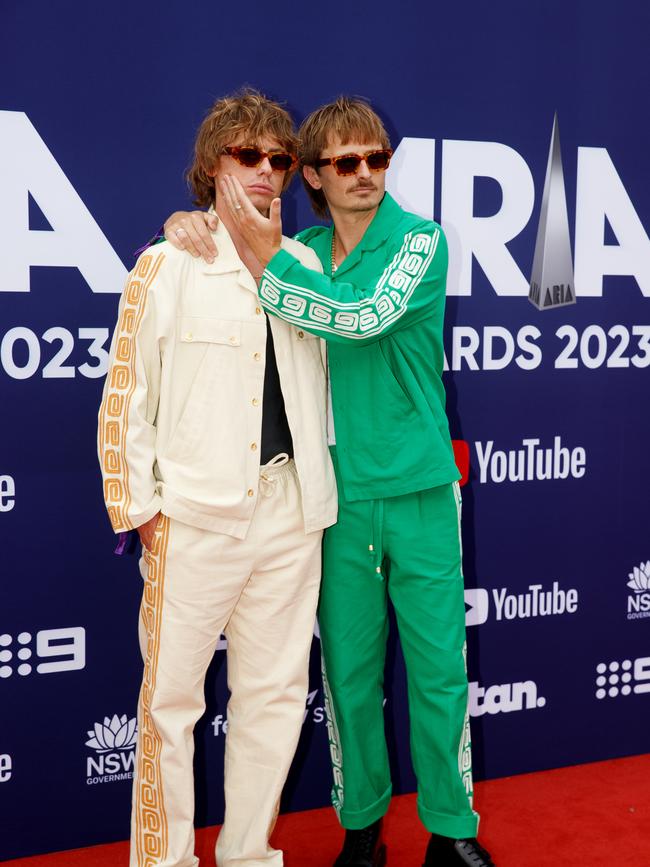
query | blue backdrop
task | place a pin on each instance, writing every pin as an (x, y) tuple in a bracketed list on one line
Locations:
[(98, 109)]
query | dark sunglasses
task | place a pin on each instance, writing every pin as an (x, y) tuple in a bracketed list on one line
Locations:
[(348, 164), (251, 157)]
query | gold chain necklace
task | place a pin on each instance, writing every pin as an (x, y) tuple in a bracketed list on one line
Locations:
[(333, 251)]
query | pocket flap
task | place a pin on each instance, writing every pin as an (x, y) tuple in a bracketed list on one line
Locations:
[(199, 329)]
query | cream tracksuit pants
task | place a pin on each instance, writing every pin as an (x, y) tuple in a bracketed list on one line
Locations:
[(262, 592)]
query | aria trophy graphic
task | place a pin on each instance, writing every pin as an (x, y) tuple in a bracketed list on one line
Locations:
[(551, 282)]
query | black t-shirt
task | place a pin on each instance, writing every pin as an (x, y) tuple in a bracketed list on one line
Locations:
[(276, 436)]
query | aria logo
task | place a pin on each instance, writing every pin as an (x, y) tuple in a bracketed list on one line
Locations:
[(638, 602), (114, 744), (551, 282)]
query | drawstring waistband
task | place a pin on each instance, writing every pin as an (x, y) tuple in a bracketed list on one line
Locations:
[(376, 546), (376, 542), (268, 475)]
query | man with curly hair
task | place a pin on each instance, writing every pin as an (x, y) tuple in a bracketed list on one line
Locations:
[(212, 443)]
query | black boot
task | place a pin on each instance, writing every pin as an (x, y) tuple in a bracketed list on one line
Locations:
[(447, 852), (363, 848)]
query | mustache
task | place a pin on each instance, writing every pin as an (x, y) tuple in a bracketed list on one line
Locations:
[(363, 185)]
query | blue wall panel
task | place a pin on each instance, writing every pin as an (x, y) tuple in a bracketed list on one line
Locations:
[(115, 94)]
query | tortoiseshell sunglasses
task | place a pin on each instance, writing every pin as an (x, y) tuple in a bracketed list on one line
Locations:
[(348, 164), (251, 157)]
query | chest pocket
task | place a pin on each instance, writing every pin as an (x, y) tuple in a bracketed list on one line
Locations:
[(199, 329), (299, 334), (207, 360), (309, 349), (308, 345)]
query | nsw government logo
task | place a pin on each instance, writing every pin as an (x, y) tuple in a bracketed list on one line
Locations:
[(638, 601), (113, 742)]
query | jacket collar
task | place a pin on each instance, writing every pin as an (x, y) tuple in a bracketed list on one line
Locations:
[(376, 234), (227, 260)]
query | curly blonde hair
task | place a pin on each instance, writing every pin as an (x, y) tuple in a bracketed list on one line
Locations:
[(247, 111)]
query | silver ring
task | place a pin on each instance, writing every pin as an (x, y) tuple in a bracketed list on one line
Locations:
[(178, 231), (237, 206)]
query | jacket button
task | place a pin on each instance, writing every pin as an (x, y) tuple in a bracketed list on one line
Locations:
[(301, 334), (371, 547), (188, 336), (258, 310), (255, 402), (233, 340), (250, 492), (378, 570), (253, 447), (257, 356)]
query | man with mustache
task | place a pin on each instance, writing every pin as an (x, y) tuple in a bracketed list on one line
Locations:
[(379, 304), (212, 444)]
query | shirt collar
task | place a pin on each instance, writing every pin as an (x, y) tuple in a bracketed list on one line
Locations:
[(382, 223), (227, 259), (376, 234)]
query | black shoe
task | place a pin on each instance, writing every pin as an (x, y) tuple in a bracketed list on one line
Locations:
[(363, 848), (447, 852)]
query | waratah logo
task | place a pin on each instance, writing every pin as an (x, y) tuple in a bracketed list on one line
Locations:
[(640, 578), (118, 733)]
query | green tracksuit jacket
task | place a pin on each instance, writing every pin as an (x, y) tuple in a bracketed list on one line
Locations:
[(384, 336)]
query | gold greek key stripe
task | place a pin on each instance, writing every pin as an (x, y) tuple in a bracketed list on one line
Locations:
[(148, 268), (120, 387), (151, 831)]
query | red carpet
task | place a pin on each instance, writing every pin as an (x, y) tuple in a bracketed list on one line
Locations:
[(596, 815)]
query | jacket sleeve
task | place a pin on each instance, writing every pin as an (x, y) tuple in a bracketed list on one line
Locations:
[(408, 288), (126, 438)]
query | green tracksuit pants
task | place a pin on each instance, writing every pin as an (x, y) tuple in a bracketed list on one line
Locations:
[(407, 548)]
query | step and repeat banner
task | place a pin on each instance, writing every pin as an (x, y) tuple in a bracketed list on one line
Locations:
[(524, 130)]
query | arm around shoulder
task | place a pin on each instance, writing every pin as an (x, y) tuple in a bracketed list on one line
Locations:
[(303, 254)]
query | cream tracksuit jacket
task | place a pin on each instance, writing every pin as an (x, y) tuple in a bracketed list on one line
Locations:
[(181, 416)]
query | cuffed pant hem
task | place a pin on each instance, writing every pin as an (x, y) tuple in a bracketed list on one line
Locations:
[(356, 820), (456, 827)]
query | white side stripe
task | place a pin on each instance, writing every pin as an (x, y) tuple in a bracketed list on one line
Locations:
[(357, 319), (465, 742), (336, 753)]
